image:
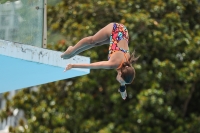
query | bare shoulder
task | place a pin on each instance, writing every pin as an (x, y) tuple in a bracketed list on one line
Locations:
[(117, 58), (128, 55)]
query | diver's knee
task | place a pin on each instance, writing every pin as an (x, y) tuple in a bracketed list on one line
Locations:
[(90, 40)]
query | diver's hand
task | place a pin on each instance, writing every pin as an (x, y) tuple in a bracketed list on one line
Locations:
[(68, 67), (122, 91)]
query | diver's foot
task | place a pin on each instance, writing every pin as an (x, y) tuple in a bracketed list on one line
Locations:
[(67, 53)]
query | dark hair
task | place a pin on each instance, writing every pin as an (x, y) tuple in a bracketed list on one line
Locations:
[(127, 70)]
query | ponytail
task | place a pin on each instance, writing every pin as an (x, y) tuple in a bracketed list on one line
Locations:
[(132, 58), (128, 72)]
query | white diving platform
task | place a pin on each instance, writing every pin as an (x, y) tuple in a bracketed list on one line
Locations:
[(23, 66)]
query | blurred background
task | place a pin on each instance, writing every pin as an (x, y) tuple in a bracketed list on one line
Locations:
[(165, 95)]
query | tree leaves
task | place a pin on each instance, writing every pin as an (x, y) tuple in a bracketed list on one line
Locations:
[(163, 97)]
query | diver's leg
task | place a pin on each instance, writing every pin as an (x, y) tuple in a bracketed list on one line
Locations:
[(88, 47), (89, 42)]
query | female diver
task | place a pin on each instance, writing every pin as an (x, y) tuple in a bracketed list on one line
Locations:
[(119, 57)]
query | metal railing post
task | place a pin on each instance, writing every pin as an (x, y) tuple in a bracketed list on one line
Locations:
[(44, 41)]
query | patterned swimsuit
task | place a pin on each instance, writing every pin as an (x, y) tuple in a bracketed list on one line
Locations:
[(119, 32)]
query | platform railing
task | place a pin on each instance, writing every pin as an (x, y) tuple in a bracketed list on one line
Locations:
[(24, 21)]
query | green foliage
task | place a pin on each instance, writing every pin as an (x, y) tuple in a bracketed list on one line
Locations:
[(164, 97)]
